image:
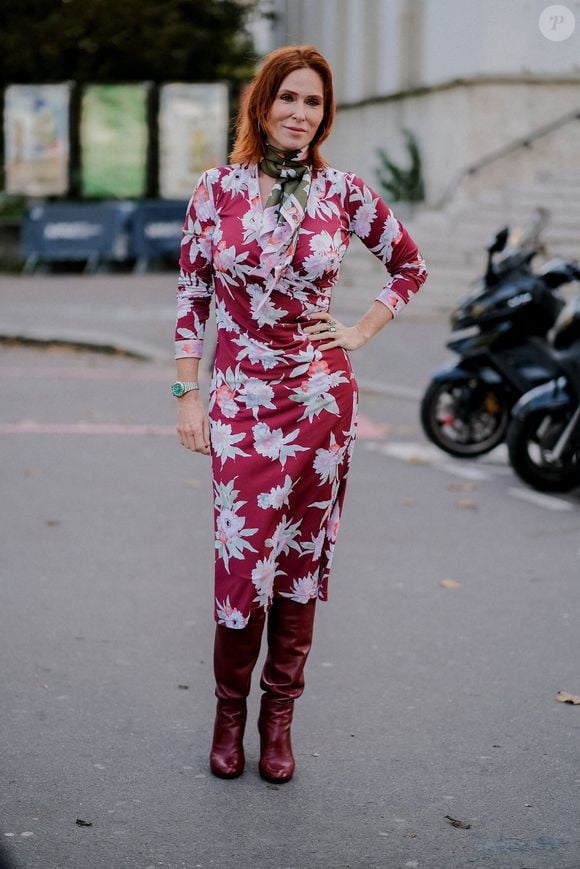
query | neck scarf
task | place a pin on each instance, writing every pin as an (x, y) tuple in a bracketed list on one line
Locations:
[(292, 176), (283, 213)]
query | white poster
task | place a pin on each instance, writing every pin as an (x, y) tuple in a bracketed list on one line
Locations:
[(193, 135), (36, 139)]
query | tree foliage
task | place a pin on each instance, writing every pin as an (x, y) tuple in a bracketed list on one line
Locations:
[(100, 41)]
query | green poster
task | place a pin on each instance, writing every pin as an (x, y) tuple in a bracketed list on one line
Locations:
[(113, 138)]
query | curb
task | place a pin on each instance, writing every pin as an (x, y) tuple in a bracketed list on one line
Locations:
[(79, 340)]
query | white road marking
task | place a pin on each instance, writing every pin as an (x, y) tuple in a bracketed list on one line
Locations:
[(495, 466), (548, 502)]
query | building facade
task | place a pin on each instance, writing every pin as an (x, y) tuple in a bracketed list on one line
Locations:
[(466, 77)]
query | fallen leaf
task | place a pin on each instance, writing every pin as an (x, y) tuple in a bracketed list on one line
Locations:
[(407, 502), (183, 687), (81, 823), (52, 523), (466, 486), (409, 835), (449, 583), (461, 825), (467, 504), (571, 699), (417, 460)]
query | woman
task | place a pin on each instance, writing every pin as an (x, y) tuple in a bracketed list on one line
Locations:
[(267, 234)]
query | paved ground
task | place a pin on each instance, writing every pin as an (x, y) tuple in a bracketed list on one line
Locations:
[(431, 686)]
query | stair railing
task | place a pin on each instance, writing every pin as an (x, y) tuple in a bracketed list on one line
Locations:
[(516, 145)]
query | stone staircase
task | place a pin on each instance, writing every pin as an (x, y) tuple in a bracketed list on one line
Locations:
[(453, 240)]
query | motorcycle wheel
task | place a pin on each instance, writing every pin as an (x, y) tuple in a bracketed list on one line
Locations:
[(466, 419), (530, 441)]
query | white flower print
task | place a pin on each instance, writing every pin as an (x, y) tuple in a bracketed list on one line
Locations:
[(314, 392), (284, 537), (364, 217), (262, 309), (390, 235), (333, 523), (235, 181), (263, 576), (202, 201), (303, 589), (229, 264), (224, 319), (231, 532), (256, 352), (319, 205), (255, 393), (327, 461), (314, 545), (225, 398), (229, 615), (327, 253), (274, 444), (277, 497), (252, 223), (222, 441)]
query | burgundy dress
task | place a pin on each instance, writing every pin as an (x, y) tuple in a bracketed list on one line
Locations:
[(282, 412)]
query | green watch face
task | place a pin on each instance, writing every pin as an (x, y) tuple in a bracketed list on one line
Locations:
[(177, 389)]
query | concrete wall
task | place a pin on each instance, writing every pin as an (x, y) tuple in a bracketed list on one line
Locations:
[(382, 47), (466, 76), (458, 125)]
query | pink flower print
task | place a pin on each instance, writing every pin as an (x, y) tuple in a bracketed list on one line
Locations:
[(229, 615), (363, 218), (229, 525), (327, 461), (263, 576), (333, 524), (303, 589), (225, 257), (204, 242), (320, 365), (225, 400), (201, 202)]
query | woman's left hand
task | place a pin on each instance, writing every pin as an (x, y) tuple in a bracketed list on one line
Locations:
[(336, 334)]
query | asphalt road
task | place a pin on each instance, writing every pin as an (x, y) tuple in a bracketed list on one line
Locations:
[(430, 689)]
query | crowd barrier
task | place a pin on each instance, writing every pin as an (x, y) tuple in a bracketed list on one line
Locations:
[(103, 233)]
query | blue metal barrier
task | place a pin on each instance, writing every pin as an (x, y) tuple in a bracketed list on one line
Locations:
[(95, 232), (156, 231)]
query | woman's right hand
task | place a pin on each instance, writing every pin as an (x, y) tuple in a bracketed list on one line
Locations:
[(193, 423)]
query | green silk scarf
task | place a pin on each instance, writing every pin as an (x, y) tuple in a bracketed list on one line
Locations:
[(292, 176)]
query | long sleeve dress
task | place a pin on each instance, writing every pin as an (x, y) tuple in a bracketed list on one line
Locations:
[(282, 412)]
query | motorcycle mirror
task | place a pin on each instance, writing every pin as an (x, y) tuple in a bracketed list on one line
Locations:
[(499, 241)]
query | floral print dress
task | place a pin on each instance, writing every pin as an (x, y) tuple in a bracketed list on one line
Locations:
[(282, 412)]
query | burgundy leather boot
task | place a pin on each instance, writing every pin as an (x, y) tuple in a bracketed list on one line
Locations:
[(290, 627), (235, 655)]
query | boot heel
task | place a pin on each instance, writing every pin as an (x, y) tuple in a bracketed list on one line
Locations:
[(227, 759), (277, 762)]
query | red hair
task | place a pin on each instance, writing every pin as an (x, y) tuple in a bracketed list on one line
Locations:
[(255, 108)]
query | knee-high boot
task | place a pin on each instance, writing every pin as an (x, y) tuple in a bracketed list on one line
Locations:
[(290, 627), (235, 656)]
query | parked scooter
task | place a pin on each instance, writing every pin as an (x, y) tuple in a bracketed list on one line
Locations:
[(544, 435), (466, 407)]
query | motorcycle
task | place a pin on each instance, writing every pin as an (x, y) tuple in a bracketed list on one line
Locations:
[(500, 334), (544, 435)]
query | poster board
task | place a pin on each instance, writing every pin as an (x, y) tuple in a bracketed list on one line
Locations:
[(193, 135), (36, 139), (114, 140)]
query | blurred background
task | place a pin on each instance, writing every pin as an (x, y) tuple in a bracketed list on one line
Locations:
[(463, 114)]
